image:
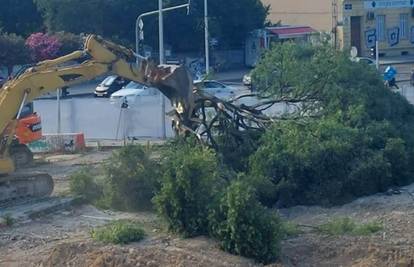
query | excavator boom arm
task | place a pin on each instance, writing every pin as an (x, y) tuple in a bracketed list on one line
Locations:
[(98, 57)]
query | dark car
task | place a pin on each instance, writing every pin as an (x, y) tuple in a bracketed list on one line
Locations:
[(2, 81), (110, 85)]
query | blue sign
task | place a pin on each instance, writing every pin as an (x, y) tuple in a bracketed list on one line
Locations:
[(393, 36), (370, 38), (348, 7), (412, 35), (388, 4)]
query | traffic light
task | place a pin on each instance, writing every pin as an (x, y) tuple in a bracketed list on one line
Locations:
[(373, 52)]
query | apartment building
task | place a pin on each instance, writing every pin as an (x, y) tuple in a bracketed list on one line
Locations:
[(390, 22), (358, 23), (314, 13)]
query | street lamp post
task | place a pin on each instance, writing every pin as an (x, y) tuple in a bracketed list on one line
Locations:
[(139, 36), (206, 35), (139, 25), (162, 61), (161, 31)]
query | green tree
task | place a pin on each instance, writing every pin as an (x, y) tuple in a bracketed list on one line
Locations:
[(12, 51), (230, 21), (243, 226), (69, 42), (189, 184), (349, 135), (64, 15), (131, 179), (20, 17)]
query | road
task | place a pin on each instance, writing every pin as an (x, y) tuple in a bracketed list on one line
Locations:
[(98, 119)]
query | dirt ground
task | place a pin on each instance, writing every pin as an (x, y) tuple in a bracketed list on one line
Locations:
[(62, 238)]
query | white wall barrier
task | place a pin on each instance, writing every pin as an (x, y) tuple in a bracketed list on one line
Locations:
[(99, 119), (73, 142)]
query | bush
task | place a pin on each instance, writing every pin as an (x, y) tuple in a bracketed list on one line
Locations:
[(189, 183), (82, 184), (355, 136), (8, 220), (346, 226), (244, 227), (130, 179), (119, 232), (326, 162), (235, 150)]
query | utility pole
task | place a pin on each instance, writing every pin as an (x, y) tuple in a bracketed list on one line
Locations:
[(206, 35), (335, 22), (162, 61), (377, 55), (139, 36), (161, 31), (59, 115)]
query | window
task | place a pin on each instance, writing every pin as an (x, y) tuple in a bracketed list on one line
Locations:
[(380, 27), (404, 26)]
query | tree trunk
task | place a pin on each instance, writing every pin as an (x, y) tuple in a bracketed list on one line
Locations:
[(9, 71)]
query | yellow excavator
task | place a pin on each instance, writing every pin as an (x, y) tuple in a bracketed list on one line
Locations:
[(98, 57)]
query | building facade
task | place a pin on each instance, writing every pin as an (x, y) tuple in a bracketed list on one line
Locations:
[(390, 22), (354, 23), (314, 13)]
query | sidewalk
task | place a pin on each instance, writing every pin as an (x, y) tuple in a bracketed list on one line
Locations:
[(232, 75), (396, 60)]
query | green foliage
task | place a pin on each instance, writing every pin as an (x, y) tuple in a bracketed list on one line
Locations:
[(119, 232), (82, 184), (346, 226), (130, 179), (359, 140), (326, 162), (244, 227), (13, 51), (69, 42), (189, 183), (20, 17), (8, 220), (114, 19), (290, 229), (235, 150)]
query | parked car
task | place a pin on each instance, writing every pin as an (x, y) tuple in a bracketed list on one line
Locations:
[(2, 81), (215, 88), (132, 92), (247, 79), (365, 60), (110, 85)]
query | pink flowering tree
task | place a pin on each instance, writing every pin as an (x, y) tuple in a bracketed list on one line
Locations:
[(43, 46)]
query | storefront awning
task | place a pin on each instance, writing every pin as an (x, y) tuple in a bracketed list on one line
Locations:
[(288, 32)]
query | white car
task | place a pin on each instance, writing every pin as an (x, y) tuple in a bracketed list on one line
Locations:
[(365, 60), (132, 92), (216, 89), (247, 79)]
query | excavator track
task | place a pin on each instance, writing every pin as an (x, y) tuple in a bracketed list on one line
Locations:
[(21, 155), (25, 185)]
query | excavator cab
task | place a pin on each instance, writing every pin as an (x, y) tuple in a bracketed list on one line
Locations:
[(29, 127)]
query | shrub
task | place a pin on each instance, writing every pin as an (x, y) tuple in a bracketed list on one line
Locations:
[(119, 232), (351, 136), (82, 184), (8, 220), (326, 162), (290, 229), (235, 150), (346, 226), (130, 179), (189, 183), (243, 226)]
